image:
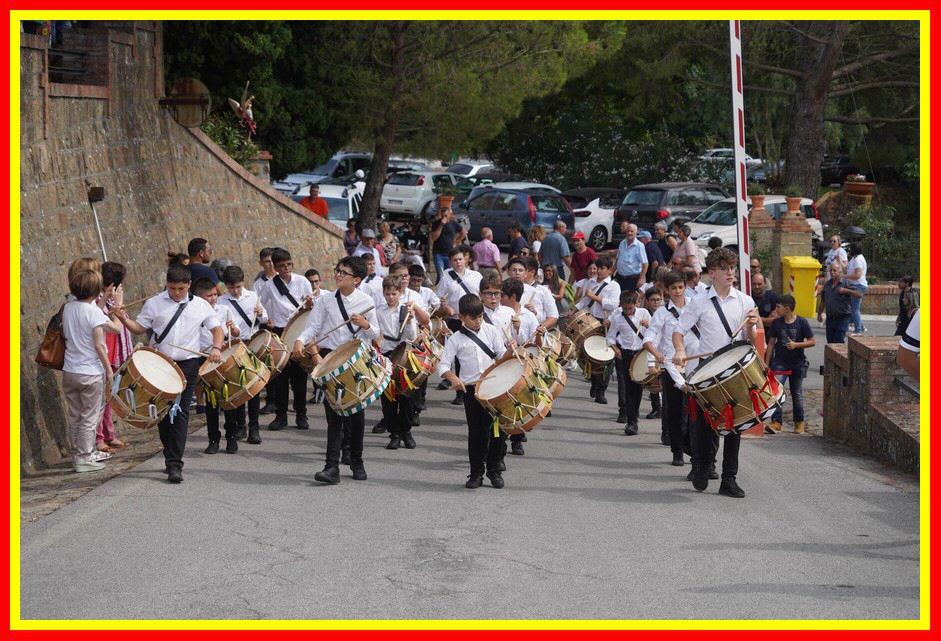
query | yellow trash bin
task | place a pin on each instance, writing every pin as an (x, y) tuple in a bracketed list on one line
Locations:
[(800, 279)]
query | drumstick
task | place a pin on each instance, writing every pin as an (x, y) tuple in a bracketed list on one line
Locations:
[(695, 356), (228, 317), (739, 328), (187, 349), (325, 334), (135, 302), (405, 321)]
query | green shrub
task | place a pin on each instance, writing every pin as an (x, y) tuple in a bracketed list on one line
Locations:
[(225, 132)]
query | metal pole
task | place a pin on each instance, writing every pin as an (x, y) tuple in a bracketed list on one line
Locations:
[(738, 134), (104, 254)]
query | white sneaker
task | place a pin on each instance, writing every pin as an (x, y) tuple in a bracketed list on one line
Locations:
[(89, 466), (100, 456)]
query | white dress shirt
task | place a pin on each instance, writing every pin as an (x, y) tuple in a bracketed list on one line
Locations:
[(408, 296), (205, 336), (473, 359), (450, 289), (610, 299), (279, 308), (362, 250), (372, 285), (701, 313), (246, 303), (389, 324), (620, 332), (156, 314), (326, 315), (528, 326), (660, 336), (428, 297)]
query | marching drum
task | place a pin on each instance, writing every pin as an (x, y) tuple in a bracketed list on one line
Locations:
[(514, 394), (291, 333), (568, 352), (735, 389), (640, 371), (411, 366), (548, 369), (439, 329), (353, 376), (581, 325), (595, 356), (270, 350), (234, 380), (552, 345), (145, 387)]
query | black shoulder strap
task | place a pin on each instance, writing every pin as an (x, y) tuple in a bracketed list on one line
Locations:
[(460, 282), (166, 330), (471, 335), (676, 315), (241, 311), (603, 285), (346, 317), (725, 323), (283, 290), (402, 312), (487, 318)]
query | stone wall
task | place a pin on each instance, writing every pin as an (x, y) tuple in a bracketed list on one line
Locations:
[(164, 184)]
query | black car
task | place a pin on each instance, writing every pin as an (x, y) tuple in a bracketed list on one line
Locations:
[(835, 169), (647, 205), (498, 207)]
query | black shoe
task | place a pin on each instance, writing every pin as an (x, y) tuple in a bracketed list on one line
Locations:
[(700, 479), (458, 399), (496, 479), (345, 457), (654, 414), (474, 481), (729, 487), (254, 438), (394, 443), (278, 424), (408, 441), (175, 475), (549, 414), (631, 429), (269, 408), (240, 434), (414, 420), (231, 445), (713, 475), (380, 427), (359, 472), (516, 447), (678, 460), (523, 438), (692, 473), (301, 423), (501, 466), (212, 448), (622, 417), (444, 384), (330, 474), (600, 399), (664, 438), (593, 391)]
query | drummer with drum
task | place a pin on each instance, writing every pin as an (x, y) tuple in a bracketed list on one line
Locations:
[(351, 310), (455, 283), (626, 337), (396, 319), (715, 313), (601, 300)]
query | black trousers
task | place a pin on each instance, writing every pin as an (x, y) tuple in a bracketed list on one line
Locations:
[(231, 421), (705, 443), (674, 414), (483, 448), (173, 434), (396, 414), (629, 392), (355, 427), (238, 414), (295, 377)]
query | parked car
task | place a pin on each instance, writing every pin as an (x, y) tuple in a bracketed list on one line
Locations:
[(724, 154), (835, 169), (410, 193), (647, 205), (342, 164), (593, 208), (470, 168), (397, 165), (343, 201), (497, 207), (720, 219)]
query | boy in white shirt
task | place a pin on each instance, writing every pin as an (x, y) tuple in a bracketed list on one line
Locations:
[(175, 321), (653, 300), (582, 285), (625, 336), (372, 284), (524, 328), (430, 304), (495, 313), (455, 283), (396, 325), (601, 302), (248, 314)]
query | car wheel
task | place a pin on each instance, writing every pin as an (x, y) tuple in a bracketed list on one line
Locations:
[(598, 238)]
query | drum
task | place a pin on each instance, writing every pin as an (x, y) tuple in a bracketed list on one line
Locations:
[(353, 376), (270, 350), (548, 369), (439, 329), (514, 394), (551, 344), (640, 371), (145, 387), (581, 325), (291, 333), (411, 366), (234, 380), (568, 352), (595, 357), (735, 389)]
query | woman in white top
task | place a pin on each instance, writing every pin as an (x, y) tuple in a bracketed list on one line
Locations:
[(686, 253), (856, 278), (86, 372)]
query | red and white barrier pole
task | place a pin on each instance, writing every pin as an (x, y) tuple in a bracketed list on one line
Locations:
[(738, 128)]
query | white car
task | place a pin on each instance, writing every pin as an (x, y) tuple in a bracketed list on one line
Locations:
[(410, 193), (471, 168), (719, 220), (343, 201), (725, 154), (523, 185), (594, 213)]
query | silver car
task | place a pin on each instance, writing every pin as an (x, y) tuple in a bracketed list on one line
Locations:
[(410, 193)]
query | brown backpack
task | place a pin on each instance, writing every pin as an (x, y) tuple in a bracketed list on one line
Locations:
[(52, 350)]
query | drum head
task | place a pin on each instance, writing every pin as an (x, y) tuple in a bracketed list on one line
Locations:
[(259, 339), (158, 370), (294, 328), (596, 348), (720, 366), (337, 357), (639, 367), (500, 378)]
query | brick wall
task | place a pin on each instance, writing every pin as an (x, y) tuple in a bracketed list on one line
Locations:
[(164, 184)]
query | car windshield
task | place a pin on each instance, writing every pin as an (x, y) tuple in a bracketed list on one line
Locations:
[(459, 169), (643, 197), (577, 202), (549, 204), (722, 213), (403, 179), (325, 169), (339, 209)]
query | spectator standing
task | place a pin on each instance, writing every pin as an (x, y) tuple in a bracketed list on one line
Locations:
[(486, 253), (517, 242), (415, 243), (389, 244), (654, 257), (754, 266), (581, 258), (315, 203), (118, 344), (835, 252), (445, 234), (350, 237), (766, 300), (555, 249), (788, 337), (908, 357), (856, 277), (368, 245), (837, 295), (665, 242), (686, 253), (536, 236), (552, 280), (199, 253), (631, 260), (908, 304)]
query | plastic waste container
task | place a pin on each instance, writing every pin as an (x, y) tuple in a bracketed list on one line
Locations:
[(799, 275)]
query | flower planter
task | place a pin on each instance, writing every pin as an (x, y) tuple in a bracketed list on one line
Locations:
[(444, 202), (858, 188), (794, 205), (757, 202)]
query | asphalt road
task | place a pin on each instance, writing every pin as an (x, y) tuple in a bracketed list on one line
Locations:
[(592, 524)]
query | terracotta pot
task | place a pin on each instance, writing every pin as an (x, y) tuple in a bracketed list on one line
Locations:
[(858, 188), (793, 204), (757, 202), (444, 202)]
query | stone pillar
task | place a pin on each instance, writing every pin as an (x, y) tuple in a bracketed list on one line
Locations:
[(791, 235), (260, 166), (836, 391), (760, 226), (872, 371)]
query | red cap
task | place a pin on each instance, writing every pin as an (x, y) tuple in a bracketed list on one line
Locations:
[(578, 234)]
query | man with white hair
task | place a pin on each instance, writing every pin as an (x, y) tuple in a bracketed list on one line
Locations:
[(486, 253), (631, 266), (367, 245), (554, 249)]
